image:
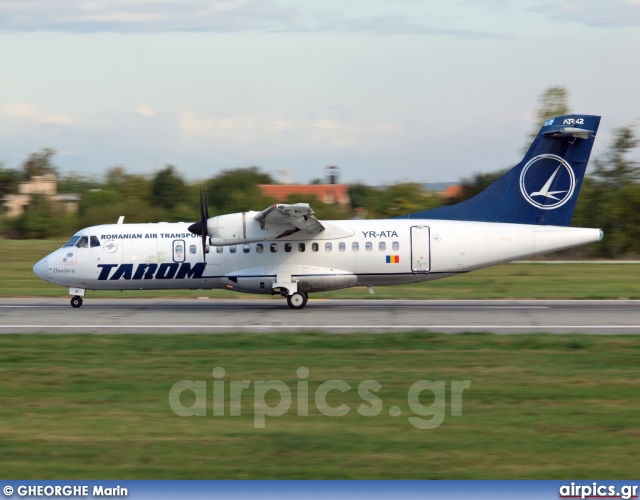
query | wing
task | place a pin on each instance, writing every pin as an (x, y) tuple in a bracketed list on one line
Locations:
[(299, 216)]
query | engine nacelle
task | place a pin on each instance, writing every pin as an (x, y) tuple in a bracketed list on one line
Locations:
[(236, 229), (243, 227)]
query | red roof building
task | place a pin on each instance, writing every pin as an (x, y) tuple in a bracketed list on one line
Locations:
[(329, 194), (452, 192)]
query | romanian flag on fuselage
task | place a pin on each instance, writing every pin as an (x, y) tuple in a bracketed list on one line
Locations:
[(393, 259)]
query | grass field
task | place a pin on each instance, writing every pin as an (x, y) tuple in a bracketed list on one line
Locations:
[(89, 406), (517, 281)]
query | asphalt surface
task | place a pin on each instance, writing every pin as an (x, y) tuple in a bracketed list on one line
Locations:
[(141, 316)]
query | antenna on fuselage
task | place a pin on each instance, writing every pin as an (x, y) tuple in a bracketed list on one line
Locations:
[(121, 219)]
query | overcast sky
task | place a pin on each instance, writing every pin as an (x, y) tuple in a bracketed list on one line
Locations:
[(390, 91)]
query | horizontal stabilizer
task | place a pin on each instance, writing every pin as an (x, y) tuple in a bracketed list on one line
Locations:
[(569, 132)]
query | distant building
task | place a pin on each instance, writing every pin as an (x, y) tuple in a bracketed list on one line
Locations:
[(47, 185), (452, 192), (329, 194)]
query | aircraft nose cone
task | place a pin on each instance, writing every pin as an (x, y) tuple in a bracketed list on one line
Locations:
[(40, 269)]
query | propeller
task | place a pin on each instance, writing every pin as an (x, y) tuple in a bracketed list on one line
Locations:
[(200, 227)]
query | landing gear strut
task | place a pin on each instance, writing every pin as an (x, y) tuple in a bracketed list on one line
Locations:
[(76, 301), (297, 300)]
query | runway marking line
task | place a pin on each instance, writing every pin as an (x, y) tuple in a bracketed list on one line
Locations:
[(363, 306), (307, 327)]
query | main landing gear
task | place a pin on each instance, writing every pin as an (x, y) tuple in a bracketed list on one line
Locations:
[(289, 289), (297, 300), (76, 301)]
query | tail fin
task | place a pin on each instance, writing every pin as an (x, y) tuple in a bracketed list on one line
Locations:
[(543, 188)]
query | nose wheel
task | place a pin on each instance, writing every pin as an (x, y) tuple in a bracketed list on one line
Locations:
[(297, 300), (76, 301)]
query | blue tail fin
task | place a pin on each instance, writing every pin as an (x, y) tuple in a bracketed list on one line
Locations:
[(543, 188)]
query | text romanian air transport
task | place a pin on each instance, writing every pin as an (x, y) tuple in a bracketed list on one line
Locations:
[(285, 250)]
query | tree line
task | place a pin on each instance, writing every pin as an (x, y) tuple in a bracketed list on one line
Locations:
[(610, 195), (166, 196), (609, 198)]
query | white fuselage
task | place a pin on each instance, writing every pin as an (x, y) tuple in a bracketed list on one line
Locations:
[(348, 253)]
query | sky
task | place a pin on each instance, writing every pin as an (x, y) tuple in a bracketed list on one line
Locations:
[(389, 91)]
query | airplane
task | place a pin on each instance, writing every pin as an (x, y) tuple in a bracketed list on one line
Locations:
[(284, 249)]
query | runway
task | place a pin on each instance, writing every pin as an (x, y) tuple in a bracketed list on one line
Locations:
[(139, 316)]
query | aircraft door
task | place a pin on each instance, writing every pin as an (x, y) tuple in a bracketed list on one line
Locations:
[(420, 251), (179, 253)]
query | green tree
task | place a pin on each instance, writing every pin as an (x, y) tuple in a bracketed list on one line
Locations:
[(553, 102), (405, 198), (615, 169), (9, 180), (366, 197), (168, 189), (76, 183), (237, 190), (42, 218), (129, 186), (611, 198), (39, 163), (117, 177)]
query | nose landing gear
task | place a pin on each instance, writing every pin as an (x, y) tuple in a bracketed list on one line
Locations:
[(77, 293)]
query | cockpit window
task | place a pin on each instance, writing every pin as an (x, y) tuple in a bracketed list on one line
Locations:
[(83, 242), (71, 242), (94, 241)]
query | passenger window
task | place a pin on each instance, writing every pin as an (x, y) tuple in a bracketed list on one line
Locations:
[(300, 247), (273, 247), (219, 249), (355, 246), (368, 246), (259, 248), (232, 249), (314, 247), (328, 247), (382, 246), (395, 245), (193, 249), (83, 242), (94, 242), (246, 248), (287, 247), (341, 246)]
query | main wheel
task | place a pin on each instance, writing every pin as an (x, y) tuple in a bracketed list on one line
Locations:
[(76, 301), (297, 300)]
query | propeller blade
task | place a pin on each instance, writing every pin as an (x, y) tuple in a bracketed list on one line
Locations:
[(200, 227), (203, 225), (206, 203), (205, 217)]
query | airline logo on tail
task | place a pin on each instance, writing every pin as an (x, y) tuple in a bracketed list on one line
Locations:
[(547, 181)]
